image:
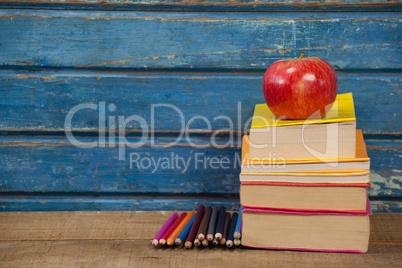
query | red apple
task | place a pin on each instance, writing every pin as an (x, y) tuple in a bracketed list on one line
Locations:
[(300, 88)]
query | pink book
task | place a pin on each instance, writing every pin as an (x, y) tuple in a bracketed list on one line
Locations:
[(367, 185), (282, 196), (306, 231)]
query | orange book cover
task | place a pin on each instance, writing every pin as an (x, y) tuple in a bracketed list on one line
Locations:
[(361, 155)]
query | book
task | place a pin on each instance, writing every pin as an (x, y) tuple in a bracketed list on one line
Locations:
[(351, 198), (312, 176), (306, 231), (360, 162), (332, 136)]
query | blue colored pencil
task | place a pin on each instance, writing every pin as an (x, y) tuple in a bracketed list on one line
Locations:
[(219, 224), (225, 232), (185, 232), (212, 224), (229, 239), (237, 233)]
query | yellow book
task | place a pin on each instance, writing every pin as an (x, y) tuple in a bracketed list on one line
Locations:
[(351, 176), (358, 163), (332, 136), (342, 111)]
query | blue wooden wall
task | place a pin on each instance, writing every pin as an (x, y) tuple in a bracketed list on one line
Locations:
[(207, 58)]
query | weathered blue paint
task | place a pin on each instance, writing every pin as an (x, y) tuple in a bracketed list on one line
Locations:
[(209, 5), (54, 165), (386, 206), (51, 60), (209, 41), (385, 181), (49, 96), (76, 203), (66, 168)]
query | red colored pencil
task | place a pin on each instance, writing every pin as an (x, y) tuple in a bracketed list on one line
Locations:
[(162, 241), (164, 228)]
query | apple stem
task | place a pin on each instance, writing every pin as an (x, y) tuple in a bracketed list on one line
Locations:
[(302, 54)]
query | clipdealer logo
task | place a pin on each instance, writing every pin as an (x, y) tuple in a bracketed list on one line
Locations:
[(115, 126)]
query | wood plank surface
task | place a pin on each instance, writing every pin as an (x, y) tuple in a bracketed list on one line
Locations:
[(49, 96), (210, 5), (131, 225), (134, 253), (187, 41), (124, 239)]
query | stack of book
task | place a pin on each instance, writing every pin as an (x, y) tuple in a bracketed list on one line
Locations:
[(304, 182)]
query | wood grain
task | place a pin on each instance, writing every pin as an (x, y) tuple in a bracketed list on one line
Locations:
[(49, 96), (182, 40), (132, 253), (59, 239), (211, 5), (71, 202), (130, 225), (97, 225)]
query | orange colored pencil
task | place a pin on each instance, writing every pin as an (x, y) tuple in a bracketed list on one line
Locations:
[(177, 222), (179, 228)]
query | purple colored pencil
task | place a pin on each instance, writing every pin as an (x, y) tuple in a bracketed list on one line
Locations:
[(194, 228), (164, 228)]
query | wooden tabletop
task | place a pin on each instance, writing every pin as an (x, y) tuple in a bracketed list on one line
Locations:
[(120, 239)]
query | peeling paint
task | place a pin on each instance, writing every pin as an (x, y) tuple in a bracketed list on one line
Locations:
[(284, 50), (269, 50), (26, 76), (124, 62), (376, 147), (224, 3), (381, 186), (166, 19), (116, 144), (20, 61)]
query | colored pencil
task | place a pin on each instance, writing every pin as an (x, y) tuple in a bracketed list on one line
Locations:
[(185, 231), (215, 242), (202, 232), (225, 229), (164, 228), (237, 242), (194, 227), (237, 233), (205, 242), (171, 229), (219, 224), (212, 224), (173, 236), (197, 242), (229, 239)]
